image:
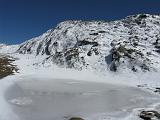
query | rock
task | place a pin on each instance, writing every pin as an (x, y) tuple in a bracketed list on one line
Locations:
[(142, 86), (157, 90), (76, 118), (6, 66), (148, 115), (85, 42), (123, 55)]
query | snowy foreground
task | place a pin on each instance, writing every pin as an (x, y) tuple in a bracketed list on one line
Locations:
[(51, 93)]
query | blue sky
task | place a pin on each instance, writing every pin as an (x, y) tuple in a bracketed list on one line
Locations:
[(21, 20)]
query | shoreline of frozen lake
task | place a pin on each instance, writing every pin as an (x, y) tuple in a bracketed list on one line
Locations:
[(58, 99)]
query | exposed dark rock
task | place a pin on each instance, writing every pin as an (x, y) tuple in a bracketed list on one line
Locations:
[(69, 58), (144, 67), (93, 34), (157, 46), (39, 48), (57, 58), (47, 48), (102, 31), (89, 53), (121, 52), (55, 44), (156, 43), (76, 118), (135, 44), (142, 86), (6, 66), (149, 115), (113, 66), (93, 50), (157, 90), (158, 51), (85, 42), (142, 16), (134, 69)]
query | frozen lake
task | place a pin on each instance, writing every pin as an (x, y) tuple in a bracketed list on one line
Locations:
[(55, 99)]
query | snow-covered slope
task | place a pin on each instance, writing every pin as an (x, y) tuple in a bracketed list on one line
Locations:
[(6, 49), (132, 43)]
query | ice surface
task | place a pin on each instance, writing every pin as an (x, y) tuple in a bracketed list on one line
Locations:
[(58, 99)]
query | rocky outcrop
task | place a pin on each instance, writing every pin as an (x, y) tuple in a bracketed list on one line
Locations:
[(149, 115), (6, 66), (76, 118)]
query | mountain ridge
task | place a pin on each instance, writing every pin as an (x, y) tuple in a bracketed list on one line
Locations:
[(132, 43)]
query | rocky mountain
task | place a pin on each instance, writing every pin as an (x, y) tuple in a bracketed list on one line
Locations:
[(132, 44)]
